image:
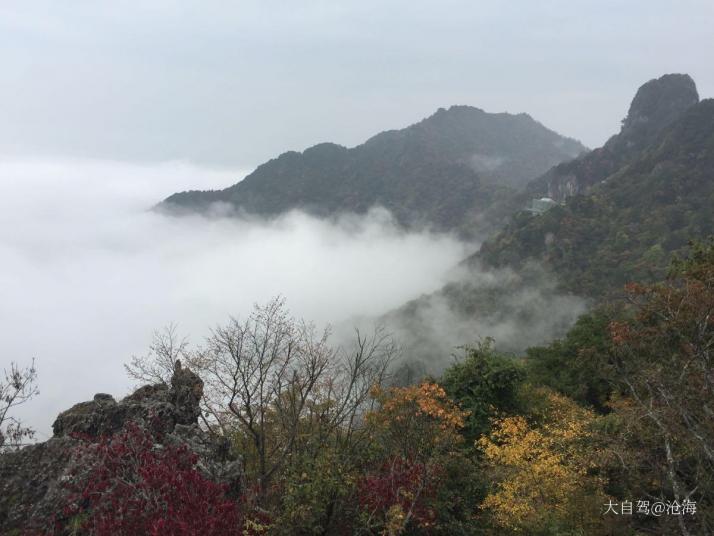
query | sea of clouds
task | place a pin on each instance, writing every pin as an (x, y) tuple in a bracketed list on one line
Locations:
[(88, 271)]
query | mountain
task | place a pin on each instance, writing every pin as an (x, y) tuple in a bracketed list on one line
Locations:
[(656, 105), (626, 209), (443, 171), (627, 225)]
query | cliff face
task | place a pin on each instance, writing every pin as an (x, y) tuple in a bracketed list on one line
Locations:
[(32, 490), (656, 105)]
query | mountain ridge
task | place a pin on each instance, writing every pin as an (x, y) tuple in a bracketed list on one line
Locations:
[(444, 171), (629, 225), (626, 227)]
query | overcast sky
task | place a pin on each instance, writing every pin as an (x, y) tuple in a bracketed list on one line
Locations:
[(232, 84)]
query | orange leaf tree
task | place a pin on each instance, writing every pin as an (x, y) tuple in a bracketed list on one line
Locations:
[(416, 436)]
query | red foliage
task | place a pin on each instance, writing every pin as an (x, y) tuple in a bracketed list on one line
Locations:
[(134, 487), (401, 482)]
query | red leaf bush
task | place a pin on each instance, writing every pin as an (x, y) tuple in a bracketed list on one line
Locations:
[(400, 483), (133, 486)]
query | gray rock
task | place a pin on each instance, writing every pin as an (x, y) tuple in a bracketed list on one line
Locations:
[(31, 479), (658, 103)]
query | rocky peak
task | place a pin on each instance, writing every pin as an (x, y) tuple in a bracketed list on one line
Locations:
[(160, 407), (659, 102), (657, 105)]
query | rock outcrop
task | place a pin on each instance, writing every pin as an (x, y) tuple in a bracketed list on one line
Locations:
[(31, 479), (657, 104)]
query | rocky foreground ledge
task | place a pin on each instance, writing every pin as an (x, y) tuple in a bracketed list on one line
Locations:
[(31, 479)]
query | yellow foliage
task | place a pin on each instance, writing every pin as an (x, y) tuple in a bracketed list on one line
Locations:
[(395, 521), (542, 470)]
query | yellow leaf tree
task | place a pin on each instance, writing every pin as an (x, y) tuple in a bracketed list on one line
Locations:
[(544, 469)]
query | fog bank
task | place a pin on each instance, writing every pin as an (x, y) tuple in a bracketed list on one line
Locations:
[(88, 273), (516, 309)]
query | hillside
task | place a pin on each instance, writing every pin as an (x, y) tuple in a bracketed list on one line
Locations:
[(655, 106), (443, 171), (626, 227), (632, 222)]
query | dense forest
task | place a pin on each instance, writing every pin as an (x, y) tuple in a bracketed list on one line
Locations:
[(630, 223)]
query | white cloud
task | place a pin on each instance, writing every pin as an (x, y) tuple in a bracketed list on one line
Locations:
[(88, 273)]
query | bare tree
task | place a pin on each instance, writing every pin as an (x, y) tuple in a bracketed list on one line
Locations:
[(275, 385), (259, 375), (17, 386), (157, 366), (345, 394)]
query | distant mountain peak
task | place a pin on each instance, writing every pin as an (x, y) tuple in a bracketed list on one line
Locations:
[(325, 148), (659, 102), (444, 171), (467, 112), (461, 108)]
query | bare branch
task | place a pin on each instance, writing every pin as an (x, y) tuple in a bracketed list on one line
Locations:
[(17, 386)]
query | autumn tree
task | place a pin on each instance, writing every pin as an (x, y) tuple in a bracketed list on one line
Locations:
[(285, 396), (662, 356), (416, 433), (124, 485), (278, 387), (542, 467)]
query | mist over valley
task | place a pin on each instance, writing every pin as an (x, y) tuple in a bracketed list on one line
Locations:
[(367, 268), (97, 273)]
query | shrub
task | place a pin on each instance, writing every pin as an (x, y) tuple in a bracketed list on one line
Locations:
[(133, 486)]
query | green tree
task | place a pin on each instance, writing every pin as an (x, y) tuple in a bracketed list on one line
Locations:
[(485, 384), (573, 365)]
